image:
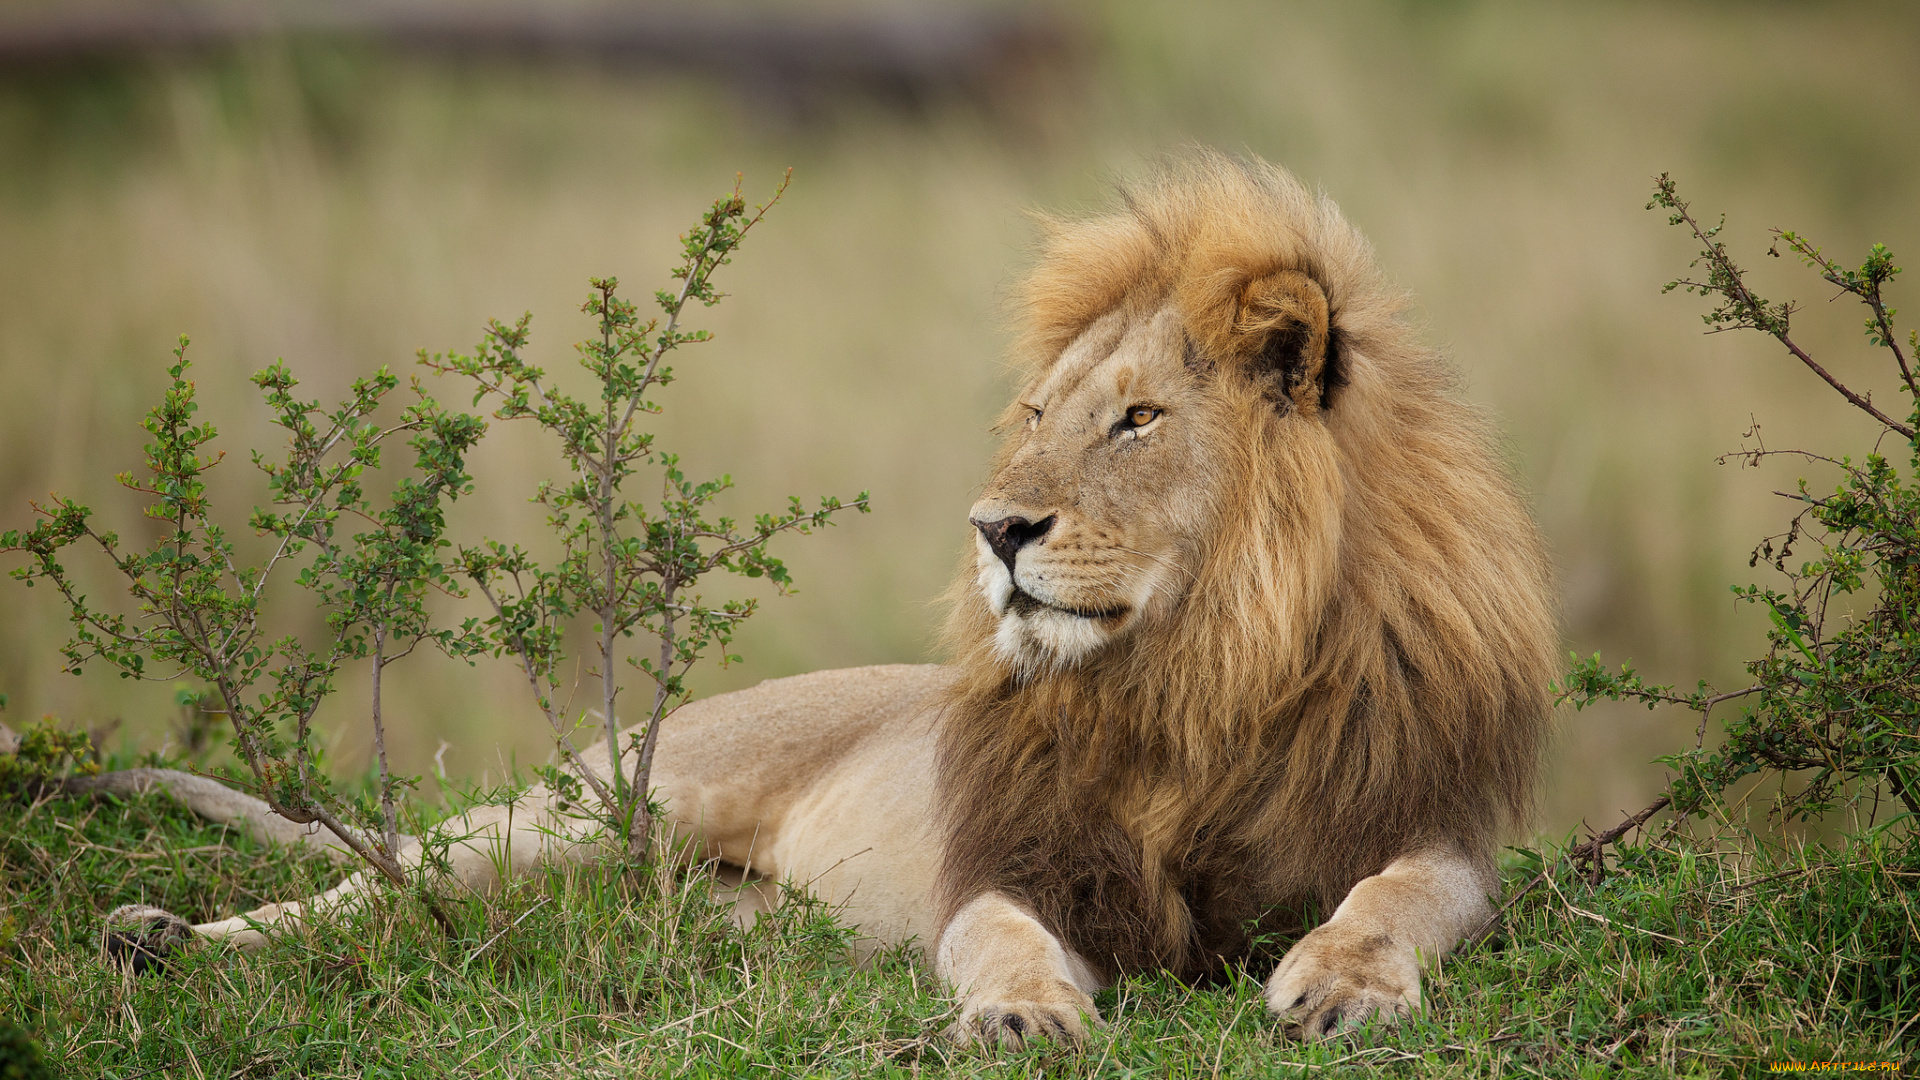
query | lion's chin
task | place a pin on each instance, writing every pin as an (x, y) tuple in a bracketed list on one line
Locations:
[(1034, 639), (1036, 635)]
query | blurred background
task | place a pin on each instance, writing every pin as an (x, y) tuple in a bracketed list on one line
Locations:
[(341, 186)]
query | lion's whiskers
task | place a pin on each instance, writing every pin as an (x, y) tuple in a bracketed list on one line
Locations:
[(1167, 559)]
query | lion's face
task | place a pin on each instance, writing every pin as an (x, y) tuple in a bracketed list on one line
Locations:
[(1093, 525)]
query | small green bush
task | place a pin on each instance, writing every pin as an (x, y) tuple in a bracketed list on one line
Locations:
[(47, 755), (373, 566), (19, 1058), (1835, 699)]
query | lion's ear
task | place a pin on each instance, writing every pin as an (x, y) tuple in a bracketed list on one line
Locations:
[(1274, 328), (1281, 331)]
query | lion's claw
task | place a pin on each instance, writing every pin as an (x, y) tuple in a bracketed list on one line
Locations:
[(1342, 1010), (1336, 979), (141, 938), (1016, 1025)]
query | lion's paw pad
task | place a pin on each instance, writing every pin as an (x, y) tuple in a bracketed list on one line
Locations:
[(142, 938)]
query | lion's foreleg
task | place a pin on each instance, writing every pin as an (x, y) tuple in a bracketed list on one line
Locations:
[(1016, 981), (1364, 963)]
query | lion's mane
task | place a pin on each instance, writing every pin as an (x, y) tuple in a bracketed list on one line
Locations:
[(1361, 667)]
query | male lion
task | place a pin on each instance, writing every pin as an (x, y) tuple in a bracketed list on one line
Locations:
[(1255, 627)]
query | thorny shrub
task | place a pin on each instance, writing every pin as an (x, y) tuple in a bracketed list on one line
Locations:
[(373, 566), (1835, 699)]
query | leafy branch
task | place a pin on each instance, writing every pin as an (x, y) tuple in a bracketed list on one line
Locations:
[(631, 567), (373, 571), (1738, 308), (198, 604), (1836, 697)]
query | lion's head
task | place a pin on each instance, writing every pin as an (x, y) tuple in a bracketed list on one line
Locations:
[(1133, 455), (1251, 596)]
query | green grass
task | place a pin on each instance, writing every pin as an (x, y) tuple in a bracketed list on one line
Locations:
[(1685, 960)]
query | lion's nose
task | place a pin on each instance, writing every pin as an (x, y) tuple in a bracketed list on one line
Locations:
[(1009, 534)]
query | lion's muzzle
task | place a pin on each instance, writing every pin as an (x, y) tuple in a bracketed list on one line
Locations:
[(1006, 536), (1059, 599)]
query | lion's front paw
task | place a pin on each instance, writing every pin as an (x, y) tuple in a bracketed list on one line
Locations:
[(1011, 1021), (1338, 977), (142, 938)]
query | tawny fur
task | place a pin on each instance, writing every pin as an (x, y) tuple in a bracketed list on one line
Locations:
[(1360, 667)]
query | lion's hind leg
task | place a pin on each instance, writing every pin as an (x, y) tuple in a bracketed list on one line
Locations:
[(483, 848)]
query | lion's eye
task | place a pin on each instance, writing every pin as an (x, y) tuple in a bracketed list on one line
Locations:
[(1141, 415)]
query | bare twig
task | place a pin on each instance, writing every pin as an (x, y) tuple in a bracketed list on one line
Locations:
[(546, 708), (1591, 849), (1754, 312)]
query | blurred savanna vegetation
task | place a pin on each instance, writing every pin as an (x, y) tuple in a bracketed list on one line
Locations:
[(341, 203)]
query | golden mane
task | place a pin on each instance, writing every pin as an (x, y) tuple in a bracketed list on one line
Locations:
[(1360, 668)]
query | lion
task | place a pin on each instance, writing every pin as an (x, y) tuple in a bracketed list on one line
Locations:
[(1254, 628)]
